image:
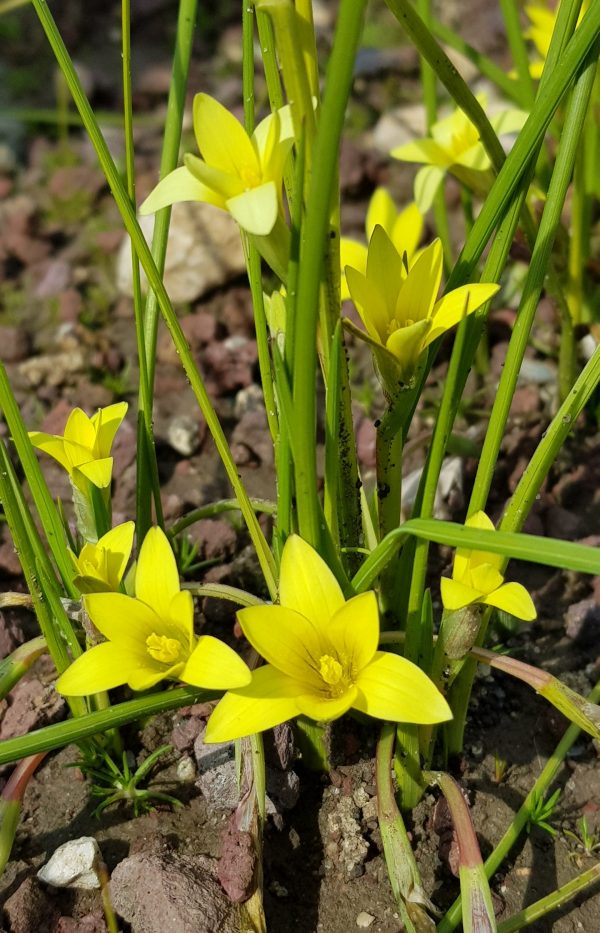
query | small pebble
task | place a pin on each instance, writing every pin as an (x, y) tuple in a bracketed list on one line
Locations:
[(364, 920), (73, 865), (186, 769)]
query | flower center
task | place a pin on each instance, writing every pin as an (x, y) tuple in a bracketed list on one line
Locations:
[(330, 670), (250, 177), (161, 648), (395, 325)]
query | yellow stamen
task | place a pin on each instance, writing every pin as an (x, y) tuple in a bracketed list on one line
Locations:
[(330, 670), (250, 177), (161, 648)]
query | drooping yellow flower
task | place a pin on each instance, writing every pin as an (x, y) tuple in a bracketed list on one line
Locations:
[(84, 449), (239, 173), (404, 229), (398, 306), (543, 20), (322, 658), (454, 146), (476, 578), (150, 637), (100, 567)]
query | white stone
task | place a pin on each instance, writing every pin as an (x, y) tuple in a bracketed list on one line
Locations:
[(364, 920), (73, 865), (399, 126), (204, 251)]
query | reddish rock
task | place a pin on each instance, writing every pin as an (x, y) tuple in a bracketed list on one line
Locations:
[(30, 908), (561, 523), (91, 923), (230, 364), (216, 537), (11, 633), (237, 863), (70, 305), (366, 437), (526, 400), (14, 344), (582, 622), (251, 440), (69, 180), (237, 313), (32, 705)]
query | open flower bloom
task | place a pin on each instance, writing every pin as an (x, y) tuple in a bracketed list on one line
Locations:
[(404, 229), (84, 449), (476, 578), (322, 658), (151, 637), (100, 567), (239, 173), (454, 146), (543, 20), (398, 306)]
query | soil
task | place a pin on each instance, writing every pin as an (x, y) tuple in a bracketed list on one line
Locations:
[(67, 337)]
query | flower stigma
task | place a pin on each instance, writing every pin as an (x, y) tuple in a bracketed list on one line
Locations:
[(162, 648)]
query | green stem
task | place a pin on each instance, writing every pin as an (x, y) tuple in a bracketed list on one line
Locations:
[(265, 506), (518, 50), (315, 228), (553, 901)]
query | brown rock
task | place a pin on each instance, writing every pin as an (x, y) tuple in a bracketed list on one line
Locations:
[(216, 537), (91, 923), (156, 892), (32, 705), (582, 623), (366, 437), (237, 863), (29, 908), (11, 633), (237, 312), (14, 344), (251, 440), (68, 180), (230, 364)]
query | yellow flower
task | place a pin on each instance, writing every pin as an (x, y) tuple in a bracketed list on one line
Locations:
[(239, 173), (100, 567), (151, 637), (454, 146), (543, 21), (84, 449), (399, 307), (476, 578), (404, 229), (322, 658)]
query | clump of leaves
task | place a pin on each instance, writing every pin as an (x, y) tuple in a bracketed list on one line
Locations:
[(114, 783), (542, 811)]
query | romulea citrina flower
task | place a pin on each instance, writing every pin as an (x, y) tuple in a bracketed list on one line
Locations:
[(476, 578), (100, 567), (400, 308), (239, 173), (454, 146), (404, 229), (150, 637), (543, 20), (322, 658), (84, 449)]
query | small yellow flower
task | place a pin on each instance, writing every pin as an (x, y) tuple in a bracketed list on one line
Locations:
[(398, 306), (454, 146), (150, 637), (404, 229), (476, 578), (543, 20), (322, 658), (100, 567), (239, 173), (84, 449)]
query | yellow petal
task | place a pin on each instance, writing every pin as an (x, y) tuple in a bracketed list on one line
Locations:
[(457, 305), (390, 687), (286, 639), (157, 577), (407, 345), (352, 253), (323, 709), (267, 701), (80, 429), (513, 598), (354, 630), (219, 182), (179, 185), (98, 472), (181, 618), (256, 209), (508, 121), (407, 230), (417, 296), (262, 133), (426, 151), (475, 158), (148, 673), (53, 446), (427, 183), (465, 559), (457, 595), (485, 577), (99, 668), (107, 422), (215, 666), (381, 211), (385, 268), (118, 543), (122, 619), (370, 304), (222, 140), (307, 585)]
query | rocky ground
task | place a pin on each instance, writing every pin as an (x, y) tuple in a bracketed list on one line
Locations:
[(67, 338)]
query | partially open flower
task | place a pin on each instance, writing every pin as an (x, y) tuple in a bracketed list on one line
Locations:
[(100, 567), (84, 449), (543, 20), (239, 173), (322, 658), (399, 306), (476, 578), (151, 637)]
